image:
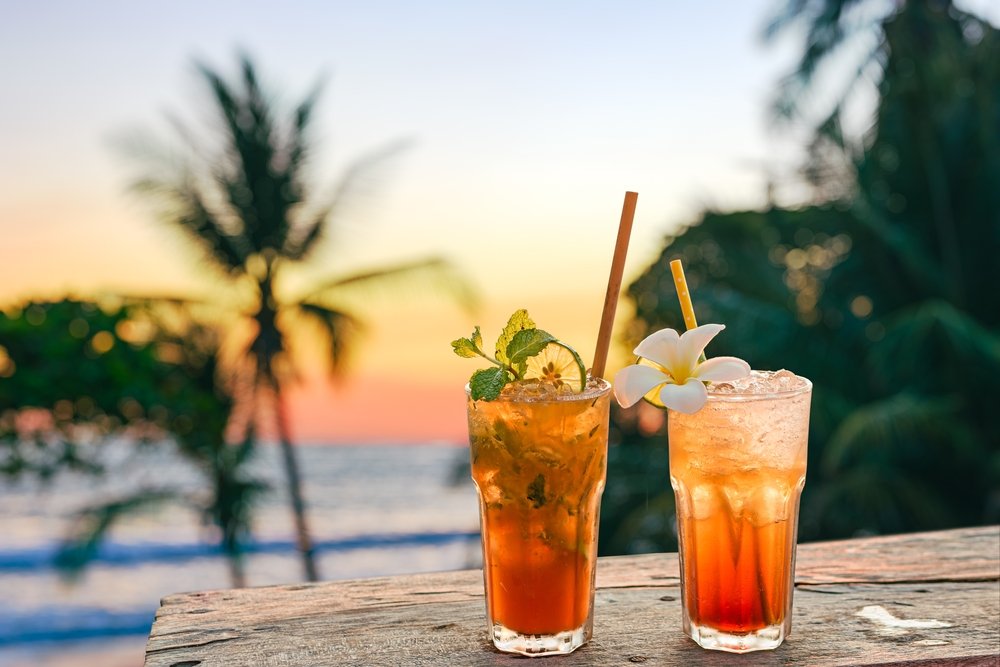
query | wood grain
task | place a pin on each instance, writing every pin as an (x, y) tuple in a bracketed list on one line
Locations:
[(848, 594)]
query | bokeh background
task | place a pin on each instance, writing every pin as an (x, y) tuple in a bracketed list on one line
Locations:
[(206, 209)]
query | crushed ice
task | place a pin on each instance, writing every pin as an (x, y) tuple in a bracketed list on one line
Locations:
[(760, 382)]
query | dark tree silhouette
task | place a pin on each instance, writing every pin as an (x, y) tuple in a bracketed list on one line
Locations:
[(885, 296)]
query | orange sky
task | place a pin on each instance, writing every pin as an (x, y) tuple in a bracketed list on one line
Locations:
[(360, 411), (415, 394), (528, 122)]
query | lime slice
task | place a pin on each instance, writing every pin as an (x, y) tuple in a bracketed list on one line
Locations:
[(653, 395), (559, 364)]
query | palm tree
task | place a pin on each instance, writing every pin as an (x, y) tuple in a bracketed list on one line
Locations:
[(249, 206), (851, 37)]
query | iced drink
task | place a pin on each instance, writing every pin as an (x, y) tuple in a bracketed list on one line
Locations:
[(539, 461), (737, 467)]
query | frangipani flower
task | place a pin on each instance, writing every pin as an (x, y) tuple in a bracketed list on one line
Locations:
[(680, 377)]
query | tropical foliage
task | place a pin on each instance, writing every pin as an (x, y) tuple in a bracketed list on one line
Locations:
[(101, 372), (884, 295)]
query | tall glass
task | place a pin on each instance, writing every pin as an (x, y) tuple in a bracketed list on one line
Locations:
[(737, 467), (539, 461)]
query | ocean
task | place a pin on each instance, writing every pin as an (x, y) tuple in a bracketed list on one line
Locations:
[(374, 510)]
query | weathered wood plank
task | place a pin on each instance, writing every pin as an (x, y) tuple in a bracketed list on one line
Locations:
[(847, 598), (634, 625), (964, 554)]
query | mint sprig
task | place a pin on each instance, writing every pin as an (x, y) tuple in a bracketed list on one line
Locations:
[(519, 321), (519, 341)]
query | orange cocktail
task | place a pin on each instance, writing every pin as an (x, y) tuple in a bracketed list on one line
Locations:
[(539, 461), (738, 466)]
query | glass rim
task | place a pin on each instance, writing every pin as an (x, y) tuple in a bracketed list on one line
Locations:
[(729, 397), (586, 394)]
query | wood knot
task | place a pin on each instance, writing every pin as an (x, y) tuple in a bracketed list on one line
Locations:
[(638, 658), (187, 663), (668, 598)]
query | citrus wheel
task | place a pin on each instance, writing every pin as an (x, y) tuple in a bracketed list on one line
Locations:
[(653, 395), (559, 364)]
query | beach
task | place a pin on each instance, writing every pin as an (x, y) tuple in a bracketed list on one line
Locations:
[(374, 509)]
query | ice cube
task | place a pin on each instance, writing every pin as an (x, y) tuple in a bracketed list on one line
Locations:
[(770, 503), (736, 498), (705, 501)]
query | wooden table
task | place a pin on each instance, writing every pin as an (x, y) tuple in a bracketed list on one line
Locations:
[(918, 599)]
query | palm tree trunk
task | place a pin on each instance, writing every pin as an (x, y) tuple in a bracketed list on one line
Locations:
[(237, 574), (303, 538)]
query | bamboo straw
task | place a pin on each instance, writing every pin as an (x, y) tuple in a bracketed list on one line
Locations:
[(614, 285)]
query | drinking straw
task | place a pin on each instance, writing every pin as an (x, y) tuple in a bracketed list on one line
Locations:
[(684, 296), (614, 285)]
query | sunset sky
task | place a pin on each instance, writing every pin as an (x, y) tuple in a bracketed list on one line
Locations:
[(527, 122)]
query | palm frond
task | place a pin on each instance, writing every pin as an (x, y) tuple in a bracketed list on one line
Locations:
[(830, 27), (234, 497), (257, 186), (901, 418), (936, 329), (245, 449), (360, 178), (91, 525), (789, 14), (298, 145), (749, 318), (434, 273), (306, 237), (153, 302), (922, 270), (826, 32), (185, 207), (831, 126), (338, 329)]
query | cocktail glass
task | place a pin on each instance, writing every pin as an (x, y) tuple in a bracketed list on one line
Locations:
[(737, 467), (539, 462)]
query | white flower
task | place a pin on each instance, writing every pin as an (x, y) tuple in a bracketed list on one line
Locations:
[(680, 378)]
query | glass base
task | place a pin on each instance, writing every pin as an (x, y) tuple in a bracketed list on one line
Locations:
[(511, 641), (764, 639)]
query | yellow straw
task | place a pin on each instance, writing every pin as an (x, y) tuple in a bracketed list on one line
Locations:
[(683, 294)]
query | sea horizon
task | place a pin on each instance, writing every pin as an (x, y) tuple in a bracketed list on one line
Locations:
[(376, 509)]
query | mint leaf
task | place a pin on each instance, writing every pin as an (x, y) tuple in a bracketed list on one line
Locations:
[(464, 347), (487, 383), (519, 321), (527, 343), (510, 360), (536, 491), (469, 347)]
